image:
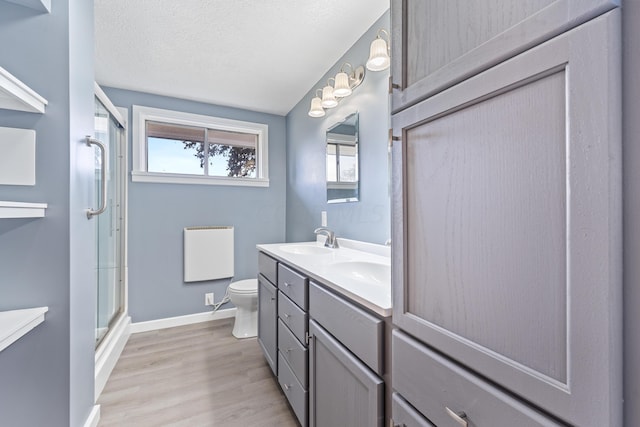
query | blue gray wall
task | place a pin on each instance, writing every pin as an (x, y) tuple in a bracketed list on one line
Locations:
[(368, 219), (631, 197), (159, 212), (46, 377)]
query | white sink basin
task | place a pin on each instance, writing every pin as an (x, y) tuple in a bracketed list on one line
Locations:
[(305, 250), (364, 271)]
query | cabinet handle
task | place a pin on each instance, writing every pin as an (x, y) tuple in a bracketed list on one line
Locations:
[(459, 417)]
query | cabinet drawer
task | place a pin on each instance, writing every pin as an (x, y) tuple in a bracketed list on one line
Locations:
[(359, 331), (405, 415), (293, 317), (296, 394), (432, 384), (268, 267), (294, 353), (294, 285)]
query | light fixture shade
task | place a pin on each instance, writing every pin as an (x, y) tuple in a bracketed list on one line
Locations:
[(328, 99), (379, 59), (342, 87), (316, 108)]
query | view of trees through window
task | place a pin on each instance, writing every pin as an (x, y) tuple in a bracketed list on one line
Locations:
[(240, 161), (180, 149)]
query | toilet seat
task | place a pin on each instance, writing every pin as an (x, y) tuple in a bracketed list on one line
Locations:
[(248, 286)]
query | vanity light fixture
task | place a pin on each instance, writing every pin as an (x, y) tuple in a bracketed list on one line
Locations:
[(316, 106), (379, 58), (344, 84), (328, 98)]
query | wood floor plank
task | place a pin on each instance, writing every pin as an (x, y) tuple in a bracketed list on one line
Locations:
[(193, 376)]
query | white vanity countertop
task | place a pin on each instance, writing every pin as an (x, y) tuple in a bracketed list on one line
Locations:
[(373, 294)]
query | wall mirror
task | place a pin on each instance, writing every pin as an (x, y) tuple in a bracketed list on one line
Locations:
[(342, 161)]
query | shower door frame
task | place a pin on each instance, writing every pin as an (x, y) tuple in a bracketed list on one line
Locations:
[(108, 349)]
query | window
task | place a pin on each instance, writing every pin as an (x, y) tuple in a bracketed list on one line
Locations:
[(342, 161), (175, 147)]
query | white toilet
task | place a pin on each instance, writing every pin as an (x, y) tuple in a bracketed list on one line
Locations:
[(244, 295)]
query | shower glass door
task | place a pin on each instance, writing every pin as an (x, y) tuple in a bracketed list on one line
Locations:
[(109, 224)]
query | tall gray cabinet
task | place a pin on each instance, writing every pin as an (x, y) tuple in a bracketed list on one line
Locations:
[(507, 212)]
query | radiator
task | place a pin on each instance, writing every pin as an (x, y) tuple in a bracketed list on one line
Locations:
[(208, 253)]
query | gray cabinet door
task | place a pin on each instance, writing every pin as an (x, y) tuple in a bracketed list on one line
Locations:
[(507, 223), (268, 321), (359, 331), (342, 390), (438, 43), (404, 415)]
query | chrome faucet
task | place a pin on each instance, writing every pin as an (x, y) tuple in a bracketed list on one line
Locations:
[(331, 241)]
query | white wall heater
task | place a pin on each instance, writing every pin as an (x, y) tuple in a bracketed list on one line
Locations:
[(208, 253)]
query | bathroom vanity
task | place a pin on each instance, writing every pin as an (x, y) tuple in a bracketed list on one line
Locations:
[(324, 318)]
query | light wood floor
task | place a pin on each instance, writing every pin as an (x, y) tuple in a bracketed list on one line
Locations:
[(192, 376)]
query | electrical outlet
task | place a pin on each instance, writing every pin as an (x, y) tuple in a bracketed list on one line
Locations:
[(208, 299)]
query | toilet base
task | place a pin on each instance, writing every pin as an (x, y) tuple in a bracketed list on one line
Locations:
[(245, 324)]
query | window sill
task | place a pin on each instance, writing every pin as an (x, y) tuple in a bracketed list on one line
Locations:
[(164, 178)]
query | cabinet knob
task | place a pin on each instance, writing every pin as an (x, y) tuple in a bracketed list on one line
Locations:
[(286, 284), (286, 387), (288, 350), (393, 424), (273, 298), (459, 417), (287, 315)]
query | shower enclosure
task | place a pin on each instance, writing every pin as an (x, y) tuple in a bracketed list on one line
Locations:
[(108, 217)]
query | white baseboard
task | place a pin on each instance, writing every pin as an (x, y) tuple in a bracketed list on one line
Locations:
[(189, 319), (109, 352), (94, 417)]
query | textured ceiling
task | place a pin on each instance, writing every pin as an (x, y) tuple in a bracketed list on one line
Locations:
[(261, 55)]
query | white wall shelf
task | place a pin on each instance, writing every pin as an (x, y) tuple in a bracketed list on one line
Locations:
[(15, 95), (39, 5), (16, 323), (22, 210)]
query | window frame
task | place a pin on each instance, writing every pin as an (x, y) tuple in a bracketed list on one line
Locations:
[(339, 141), (140, 173)]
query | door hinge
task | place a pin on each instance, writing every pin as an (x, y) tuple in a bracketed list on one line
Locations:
[(392, 85)]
